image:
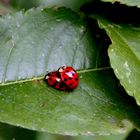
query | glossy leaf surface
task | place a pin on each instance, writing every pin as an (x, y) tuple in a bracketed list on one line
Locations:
[(124, 54), (39, 40)]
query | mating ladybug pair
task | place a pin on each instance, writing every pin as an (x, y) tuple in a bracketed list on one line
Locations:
[(65, 78)]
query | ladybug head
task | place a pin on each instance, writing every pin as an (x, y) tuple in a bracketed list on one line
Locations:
[(61, 69)]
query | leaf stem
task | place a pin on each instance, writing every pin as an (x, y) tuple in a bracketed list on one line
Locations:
[(42, 77), (94, 69)]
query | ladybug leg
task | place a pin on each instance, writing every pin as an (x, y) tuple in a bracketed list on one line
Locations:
[(47, 85)]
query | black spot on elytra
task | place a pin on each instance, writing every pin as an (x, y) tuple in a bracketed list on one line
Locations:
[(70, 84), (70, 78), (50, 79), (67, 71), (76, 79), (56, 82), (65, 79)]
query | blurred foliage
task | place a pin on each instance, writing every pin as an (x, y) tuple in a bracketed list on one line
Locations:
[(8, 132), (4, 9), (133, 135), (24, 4)]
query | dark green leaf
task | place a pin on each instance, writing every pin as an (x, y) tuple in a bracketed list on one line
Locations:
[(124, 54), (9, 132), (40, 40), (95, 107)]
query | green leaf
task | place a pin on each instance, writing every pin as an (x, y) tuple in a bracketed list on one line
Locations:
[(40, 40), (126, 2), (124, 54), (73, 4), (95, 107)]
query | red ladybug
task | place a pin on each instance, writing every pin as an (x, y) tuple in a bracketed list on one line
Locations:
[(54, 80), (65, 78), (69, 76)]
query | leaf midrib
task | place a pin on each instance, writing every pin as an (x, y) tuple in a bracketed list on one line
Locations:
[(41, 77)]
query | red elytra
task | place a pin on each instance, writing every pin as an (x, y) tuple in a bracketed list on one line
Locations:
[(69, 76), (54, 80)]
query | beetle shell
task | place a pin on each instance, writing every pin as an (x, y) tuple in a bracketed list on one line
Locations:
[(69, 76), (54, 80)]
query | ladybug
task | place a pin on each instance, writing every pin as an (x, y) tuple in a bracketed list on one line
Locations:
[(69, 76), (54, 80), (65, 78)]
